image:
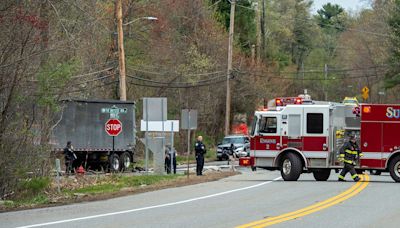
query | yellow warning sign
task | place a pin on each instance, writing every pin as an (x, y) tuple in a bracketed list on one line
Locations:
[(365, 93)]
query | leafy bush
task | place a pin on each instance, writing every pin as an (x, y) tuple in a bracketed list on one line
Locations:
[(33, 187)]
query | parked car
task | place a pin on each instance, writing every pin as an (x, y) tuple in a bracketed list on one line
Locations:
[(238, 144)]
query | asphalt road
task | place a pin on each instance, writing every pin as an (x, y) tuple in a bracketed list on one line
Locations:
[(234, 201)]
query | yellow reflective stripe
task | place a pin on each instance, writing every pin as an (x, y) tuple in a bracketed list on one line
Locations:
[(341, 177), (351, 151), (354, 176), (348, 161), (341, 155)]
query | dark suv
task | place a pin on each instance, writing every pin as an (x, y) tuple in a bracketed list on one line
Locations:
[(240, 143)]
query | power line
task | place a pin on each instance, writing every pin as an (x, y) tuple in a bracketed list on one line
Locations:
[(306, 79), (92, 87), (330, 70), (175, 83), (93, 80), (167, 72), (177, 86)]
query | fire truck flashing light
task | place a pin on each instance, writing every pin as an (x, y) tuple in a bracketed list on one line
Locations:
[(366, 109), (283, 101)]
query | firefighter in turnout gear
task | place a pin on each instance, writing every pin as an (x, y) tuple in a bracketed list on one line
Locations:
[(349, 154), (200, 149)]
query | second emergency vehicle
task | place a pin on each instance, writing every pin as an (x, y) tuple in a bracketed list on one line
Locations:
[(296, 137)]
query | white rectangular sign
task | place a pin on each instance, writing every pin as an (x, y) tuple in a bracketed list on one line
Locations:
[(158, 126)]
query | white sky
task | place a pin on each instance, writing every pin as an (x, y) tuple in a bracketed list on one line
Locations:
[(352, 5)]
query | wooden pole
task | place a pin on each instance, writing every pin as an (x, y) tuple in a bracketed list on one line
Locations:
[(230, 50), (121, 53)]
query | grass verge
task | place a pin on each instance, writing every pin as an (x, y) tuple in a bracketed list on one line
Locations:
[(100, 187)]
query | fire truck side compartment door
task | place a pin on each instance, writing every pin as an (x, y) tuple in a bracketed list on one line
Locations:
[(294, 128), (316, 128), (371, 144)]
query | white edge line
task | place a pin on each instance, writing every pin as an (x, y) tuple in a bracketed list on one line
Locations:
[(150, 207)]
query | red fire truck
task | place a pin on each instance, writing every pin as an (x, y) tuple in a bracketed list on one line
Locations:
[(296, 137)]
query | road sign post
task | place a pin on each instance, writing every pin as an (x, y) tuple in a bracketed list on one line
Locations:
[(189, 121), (158, 113)]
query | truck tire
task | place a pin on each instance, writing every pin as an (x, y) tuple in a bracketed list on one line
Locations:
[(125, 161), (114, 162), (394, 168), (322, 174), (291, 167)]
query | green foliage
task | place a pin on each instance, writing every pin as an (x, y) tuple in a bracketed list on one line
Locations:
[(302, 31), (33, 187), (118, 182), (392, 78), (52, 78), (245, 26), (331, 17), (196, 62)]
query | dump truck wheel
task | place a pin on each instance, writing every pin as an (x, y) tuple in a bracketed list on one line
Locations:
[(114, 163), (291, 167), (322, 174), (125, 161), (394, 168)]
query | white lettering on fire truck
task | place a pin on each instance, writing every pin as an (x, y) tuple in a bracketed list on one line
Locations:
[(268, 141), (393, 113)]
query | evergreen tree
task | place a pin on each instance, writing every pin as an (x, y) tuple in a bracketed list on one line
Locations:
[(393, 76)]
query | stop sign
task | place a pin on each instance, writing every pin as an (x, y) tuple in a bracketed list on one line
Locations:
[(113, 127)]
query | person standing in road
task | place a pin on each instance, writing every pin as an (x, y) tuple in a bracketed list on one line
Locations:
[(69, 157), (349, 154), (200, 149)]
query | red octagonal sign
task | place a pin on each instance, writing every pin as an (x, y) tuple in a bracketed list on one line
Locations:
[(113, 127)]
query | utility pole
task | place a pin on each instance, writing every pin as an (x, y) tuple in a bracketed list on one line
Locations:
[(263, 29), (121, 53), (326, 77), (230, 50), (258, 23)]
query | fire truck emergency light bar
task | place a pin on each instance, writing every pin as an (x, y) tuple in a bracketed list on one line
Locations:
[(283, 101)]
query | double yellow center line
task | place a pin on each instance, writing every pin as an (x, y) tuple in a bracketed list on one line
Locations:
[(354, 190)]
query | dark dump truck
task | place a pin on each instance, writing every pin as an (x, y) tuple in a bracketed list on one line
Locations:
[(89, 124)]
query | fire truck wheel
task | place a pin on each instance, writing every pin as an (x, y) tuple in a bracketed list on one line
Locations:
[(322, 174), (114, 163), (394, 168), (291, 167), (125, 161)]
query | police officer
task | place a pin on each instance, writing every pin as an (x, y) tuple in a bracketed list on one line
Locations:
[(349, 154), (200, 149), (168, 154), (69, 157)]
